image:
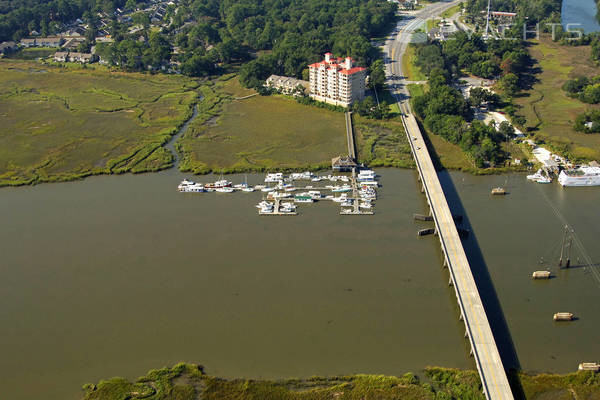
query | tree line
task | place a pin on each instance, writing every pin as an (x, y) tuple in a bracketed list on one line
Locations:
[(444, 110), (19, 18)]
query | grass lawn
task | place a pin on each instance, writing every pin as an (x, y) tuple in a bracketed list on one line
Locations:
[(550, 113), (409, 69), (63, 123), (451, 11), (260, 133)]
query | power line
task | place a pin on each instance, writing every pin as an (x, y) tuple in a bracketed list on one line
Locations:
[(588, 263)]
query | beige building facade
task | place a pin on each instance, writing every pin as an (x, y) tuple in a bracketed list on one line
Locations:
[(337, 81)]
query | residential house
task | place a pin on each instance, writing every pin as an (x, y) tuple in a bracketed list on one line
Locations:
[(287, 85)]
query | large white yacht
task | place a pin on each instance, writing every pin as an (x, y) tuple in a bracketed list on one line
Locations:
[(582, 176)]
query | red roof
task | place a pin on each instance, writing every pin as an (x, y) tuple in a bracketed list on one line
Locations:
[(352, 70), (337, 64)]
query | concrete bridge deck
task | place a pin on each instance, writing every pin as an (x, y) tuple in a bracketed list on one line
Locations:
[(477, 328)]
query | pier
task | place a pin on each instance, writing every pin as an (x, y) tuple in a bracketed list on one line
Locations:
[(350, 135), (477, 328)]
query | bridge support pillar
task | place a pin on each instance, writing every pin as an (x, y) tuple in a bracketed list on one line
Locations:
[(461, 318), (466, 334), (450, 282), (445, 262), (471, 352)]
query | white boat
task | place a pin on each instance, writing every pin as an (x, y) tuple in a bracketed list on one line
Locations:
[(341, 189), (317, 179), (258, 187), (339, 199), (248, 189), (347, 203), (264, 203), (272, 178), (369, 183), (582, 176), (290, 206), (224, 189), (365, 205), (366, 175), (266, 210), (267, 189), (306, 175), (190, 187), (544, 179), (278, 195), (536, 176), (221, 183), (184, 184)]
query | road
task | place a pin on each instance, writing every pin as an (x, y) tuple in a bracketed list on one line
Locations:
[(477, 328)]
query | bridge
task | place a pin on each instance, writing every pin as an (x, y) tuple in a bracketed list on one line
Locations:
[(477, 328)]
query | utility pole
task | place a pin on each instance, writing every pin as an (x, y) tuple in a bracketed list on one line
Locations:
[(487, 21), (569, 252), (562, 248)]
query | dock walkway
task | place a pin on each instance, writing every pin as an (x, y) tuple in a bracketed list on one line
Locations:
[(350, 136)]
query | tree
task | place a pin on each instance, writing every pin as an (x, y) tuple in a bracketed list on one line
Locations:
[(506, 130), (377, 75), (478, 96), (509, 84)]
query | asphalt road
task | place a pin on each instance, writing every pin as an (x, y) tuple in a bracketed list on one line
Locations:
[(396, 45)]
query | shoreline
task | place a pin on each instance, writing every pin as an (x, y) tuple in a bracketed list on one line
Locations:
[(189, 381)]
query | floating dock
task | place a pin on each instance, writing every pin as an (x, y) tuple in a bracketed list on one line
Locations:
[(541, 275), (563, 316), (589, 366)]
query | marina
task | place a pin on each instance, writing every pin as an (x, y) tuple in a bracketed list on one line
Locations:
[(356, 195)]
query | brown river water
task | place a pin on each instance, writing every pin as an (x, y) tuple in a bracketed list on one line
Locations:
[(116, 275)]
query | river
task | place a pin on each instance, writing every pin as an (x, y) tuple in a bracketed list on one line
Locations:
[(116, 275), (581, 13)]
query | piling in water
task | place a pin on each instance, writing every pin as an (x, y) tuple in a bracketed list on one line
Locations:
[(421, 217), (427, 231)]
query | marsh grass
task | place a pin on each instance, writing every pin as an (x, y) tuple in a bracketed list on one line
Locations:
[(259, 133), (549, 112), (188, 382), (66, 123)]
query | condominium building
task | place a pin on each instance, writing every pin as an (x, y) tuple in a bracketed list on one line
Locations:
[(337, 81)]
